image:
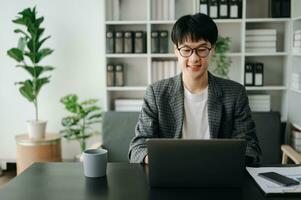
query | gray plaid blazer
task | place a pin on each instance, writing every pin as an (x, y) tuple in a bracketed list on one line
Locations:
[(162, 114)]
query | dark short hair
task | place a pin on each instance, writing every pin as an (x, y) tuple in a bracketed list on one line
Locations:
[(195, 27)]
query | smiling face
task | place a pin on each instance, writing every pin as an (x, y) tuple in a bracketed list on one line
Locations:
[(194, 67)]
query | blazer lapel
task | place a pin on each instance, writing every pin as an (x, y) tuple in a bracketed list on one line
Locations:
[(177, 105), (214, 106)]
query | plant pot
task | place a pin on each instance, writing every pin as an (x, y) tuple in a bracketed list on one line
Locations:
[(36, 129)]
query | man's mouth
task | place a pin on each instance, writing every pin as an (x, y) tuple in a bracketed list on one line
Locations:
[(194, 68)]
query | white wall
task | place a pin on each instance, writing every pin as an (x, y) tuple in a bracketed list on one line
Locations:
[(77, 36)]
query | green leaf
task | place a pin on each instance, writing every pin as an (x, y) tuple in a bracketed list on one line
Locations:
[(95, 116), (40, 82), (70, 121), (70, 98), (88, 102), (27, 90), (43, 53), (16, 54), (21, 31), (70, 102), (42, 41)]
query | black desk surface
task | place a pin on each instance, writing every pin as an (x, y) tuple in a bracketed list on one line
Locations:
[(43, 181)]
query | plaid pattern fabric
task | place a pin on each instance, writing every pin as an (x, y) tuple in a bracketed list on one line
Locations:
[(163, 112)]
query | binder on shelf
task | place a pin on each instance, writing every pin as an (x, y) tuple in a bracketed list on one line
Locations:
[(275, 8), (280, 8), (155, 43), (204, 7), (128, 42), (285, 8), (110, 42), (249, 74), (234, 9), (139, 41), (118, 42), (110, 75), (163, 41), (213, 9), (258, 74), (119, 75), (223, 9), (239, 3)]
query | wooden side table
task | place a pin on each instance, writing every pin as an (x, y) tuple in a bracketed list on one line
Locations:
[(42, 150)]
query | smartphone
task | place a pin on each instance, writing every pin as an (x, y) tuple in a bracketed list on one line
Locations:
[(279, 179)]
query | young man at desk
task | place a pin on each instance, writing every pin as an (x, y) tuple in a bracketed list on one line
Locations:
[(194, 104)]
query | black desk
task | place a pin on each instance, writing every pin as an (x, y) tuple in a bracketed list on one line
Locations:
[(43, 181)]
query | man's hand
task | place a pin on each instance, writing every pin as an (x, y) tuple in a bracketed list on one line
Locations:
[(145, 159)]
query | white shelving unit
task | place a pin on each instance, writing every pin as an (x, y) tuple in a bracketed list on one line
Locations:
[(139, 69), (294, 96)]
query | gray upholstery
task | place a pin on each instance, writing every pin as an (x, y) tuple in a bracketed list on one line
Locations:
[(268, 130), (119, 128), (117, 131)]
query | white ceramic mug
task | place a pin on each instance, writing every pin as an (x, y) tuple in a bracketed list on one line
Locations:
[(95, 162)]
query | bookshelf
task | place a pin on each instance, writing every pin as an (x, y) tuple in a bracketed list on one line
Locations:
[(139, 15)]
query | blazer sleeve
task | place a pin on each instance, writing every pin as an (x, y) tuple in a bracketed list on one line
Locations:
[(147, 127), (244, 126)]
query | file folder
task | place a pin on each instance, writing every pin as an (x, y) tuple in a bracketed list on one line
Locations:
[(213, 9), (204, 7), (223, 9)]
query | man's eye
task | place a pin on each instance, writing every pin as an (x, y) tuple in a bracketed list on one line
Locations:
[(186, 50), (202, 49)]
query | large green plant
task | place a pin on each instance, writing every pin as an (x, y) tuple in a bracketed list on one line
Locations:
[(79, 125), (29, 53), (220, 60)]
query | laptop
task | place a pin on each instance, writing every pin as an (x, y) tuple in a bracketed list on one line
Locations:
[(196, 163)]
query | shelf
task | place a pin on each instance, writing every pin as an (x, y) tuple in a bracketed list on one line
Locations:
[(162, 22), (227, 20), (296, 54), (255, 20), (125, 22), (267, 54), (163, 55), (296, 18), (261, 88), (127, 88), (124, 55), (295, 90), (234, 54)]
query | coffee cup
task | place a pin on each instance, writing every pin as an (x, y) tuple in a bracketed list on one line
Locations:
[(95, 162)]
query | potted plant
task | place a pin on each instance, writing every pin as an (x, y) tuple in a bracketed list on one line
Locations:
[(29, 53), (220, 60), (79, 125)]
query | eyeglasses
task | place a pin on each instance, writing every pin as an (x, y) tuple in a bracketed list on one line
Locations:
[(202, 52)]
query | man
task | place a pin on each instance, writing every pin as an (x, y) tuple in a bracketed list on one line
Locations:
[(194, 104)]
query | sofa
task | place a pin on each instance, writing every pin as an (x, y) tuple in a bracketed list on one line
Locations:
[(118, 130)]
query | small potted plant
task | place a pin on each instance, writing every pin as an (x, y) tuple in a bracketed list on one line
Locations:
[(29, 53), (79, 125), (220, 60)]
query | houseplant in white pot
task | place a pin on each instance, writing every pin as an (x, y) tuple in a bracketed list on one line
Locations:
[(79, 125), (28, 54)]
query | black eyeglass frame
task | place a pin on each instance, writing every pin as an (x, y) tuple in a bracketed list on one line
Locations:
[(194, 49)]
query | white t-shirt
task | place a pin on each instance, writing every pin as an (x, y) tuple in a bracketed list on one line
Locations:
[(195, 123)]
